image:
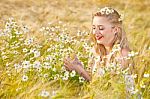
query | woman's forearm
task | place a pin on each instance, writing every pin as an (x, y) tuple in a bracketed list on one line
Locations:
[(82, 72)]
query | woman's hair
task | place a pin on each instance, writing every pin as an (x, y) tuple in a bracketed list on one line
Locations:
[(115, 19)]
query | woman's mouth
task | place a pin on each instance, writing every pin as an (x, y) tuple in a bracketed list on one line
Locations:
[(99, 37)]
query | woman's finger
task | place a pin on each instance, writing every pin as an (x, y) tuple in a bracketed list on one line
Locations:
[(69, 67), (67, 62), (68, 58)]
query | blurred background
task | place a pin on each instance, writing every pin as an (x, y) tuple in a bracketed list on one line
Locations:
[(77, 13)]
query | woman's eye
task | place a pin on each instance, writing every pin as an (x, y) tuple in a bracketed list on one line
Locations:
[(94, 28), (101, 28)]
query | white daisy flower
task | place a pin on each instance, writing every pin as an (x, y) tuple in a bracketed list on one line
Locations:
[(134, 91), (73, 73), (25, 50), (66, 73), (54, 69), (146, 75), (47, 65), (45, 75), (44, 93), (36, 64), (101, 72), (25, 64), (36, 53), (32, 50), (56, 76), (17, 32), (28, 41), (24, 78), (65, 77), (25, 29), (17, 66), (81, 79)]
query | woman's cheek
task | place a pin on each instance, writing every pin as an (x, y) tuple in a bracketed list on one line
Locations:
[(93, 31), (102, 32)]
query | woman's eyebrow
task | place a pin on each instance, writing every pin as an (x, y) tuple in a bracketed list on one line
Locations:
[(93, 25), (97, 25)]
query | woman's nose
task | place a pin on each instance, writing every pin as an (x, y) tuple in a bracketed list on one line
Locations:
[(97, 32)]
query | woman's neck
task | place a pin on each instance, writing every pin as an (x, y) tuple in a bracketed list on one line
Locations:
[(108, 49)]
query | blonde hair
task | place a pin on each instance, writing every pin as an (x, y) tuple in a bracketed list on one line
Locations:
[(120, 38)]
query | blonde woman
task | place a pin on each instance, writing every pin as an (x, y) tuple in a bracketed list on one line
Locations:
[(107, 34)]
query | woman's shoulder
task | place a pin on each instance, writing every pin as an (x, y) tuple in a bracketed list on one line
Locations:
[(124, 52)]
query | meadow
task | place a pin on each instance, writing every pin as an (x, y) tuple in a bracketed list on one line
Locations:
[(36, 35)]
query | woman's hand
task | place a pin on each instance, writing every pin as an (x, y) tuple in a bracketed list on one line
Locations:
[(68, 64), (76, 65), (71, 64)]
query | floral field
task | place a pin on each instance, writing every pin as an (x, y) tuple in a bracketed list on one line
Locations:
[(36, 35)]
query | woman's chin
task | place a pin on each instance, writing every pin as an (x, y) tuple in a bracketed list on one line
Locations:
[(99, 41)]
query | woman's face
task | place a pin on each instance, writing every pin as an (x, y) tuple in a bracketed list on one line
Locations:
[(103, 31)]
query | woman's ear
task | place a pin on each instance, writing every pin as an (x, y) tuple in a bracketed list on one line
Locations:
[(116, 29)]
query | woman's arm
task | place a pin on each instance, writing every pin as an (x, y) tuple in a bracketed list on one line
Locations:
[(125, 62), (82, 72)]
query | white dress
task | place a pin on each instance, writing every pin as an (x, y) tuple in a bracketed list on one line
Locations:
[(98, 67), (114, 62)]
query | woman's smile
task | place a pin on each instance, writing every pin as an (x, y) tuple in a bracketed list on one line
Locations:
[(99, 37)]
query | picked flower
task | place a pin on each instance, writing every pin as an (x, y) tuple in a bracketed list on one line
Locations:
[(106, 10)]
